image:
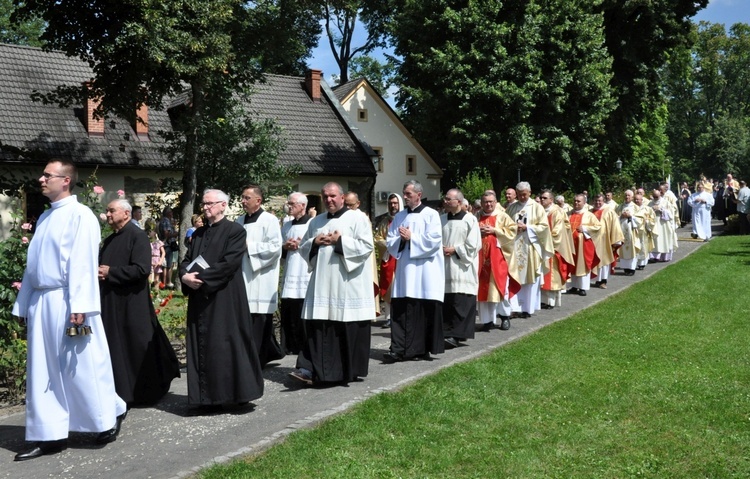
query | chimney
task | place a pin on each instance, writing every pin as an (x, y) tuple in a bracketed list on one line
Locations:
[(94, 126), (312, 83), (141, 123)]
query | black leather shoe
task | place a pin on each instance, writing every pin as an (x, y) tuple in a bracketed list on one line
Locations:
[(581, 292), (390, 358), (451, 342), (572, 291), (386, 325), (487, 327), (42, 448), (505, 324), (111, 436), (524, 315)]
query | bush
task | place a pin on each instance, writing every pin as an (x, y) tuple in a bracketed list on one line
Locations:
[(12, 332)]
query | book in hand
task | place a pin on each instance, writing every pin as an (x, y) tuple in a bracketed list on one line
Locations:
[(197, 265)]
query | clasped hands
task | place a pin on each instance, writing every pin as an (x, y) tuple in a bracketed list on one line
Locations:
[(291, 244), (327, 239)]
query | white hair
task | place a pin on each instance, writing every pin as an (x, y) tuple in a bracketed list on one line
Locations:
[(220, 195), (123, 205), (298, 197), (523, 186)]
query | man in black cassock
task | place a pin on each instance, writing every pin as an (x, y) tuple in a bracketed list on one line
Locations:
[(143, 360), (222, 359)]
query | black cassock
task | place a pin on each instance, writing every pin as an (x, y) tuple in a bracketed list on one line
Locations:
[(143, 360), (222, 359)]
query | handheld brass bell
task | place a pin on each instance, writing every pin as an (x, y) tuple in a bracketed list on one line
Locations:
[(84, 330), (71, 331)]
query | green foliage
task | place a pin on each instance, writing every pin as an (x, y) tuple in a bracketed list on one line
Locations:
[(151, 51), (12, 262), (19, 33), (709, 103), (648, 160), (475, 184), (237, 149), (640, 36), (379, 74), (171, 310), (517, 84)]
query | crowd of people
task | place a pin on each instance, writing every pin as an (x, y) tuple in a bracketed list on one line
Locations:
[(96, 347)]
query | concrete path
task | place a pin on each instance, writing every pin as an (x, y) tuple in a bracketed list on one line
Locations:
[(165, 442)]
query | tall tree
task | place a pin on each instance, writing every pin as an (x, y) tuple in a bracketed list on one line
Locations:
[(341, 17), (379, 74), (143, 51), (19, 33), (707, 88), (640, 36), (520, 86)]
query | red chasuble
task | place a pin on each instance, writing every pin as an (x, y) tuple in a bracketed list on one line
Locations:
[(589, 250), (562, 266), (492, 262)]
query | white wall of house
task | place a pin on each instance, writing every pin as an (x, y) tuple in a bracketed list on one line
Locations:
[(383, 131)]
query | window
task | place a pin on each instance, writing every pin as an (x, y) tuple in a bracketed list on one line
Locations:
[(379, 166), (411, 165), (362, 114)]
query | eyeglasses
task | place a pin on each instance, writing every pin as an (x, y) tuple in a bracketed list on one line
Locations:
[(47, 176), (291, 203), (449, 199), (209, 203)]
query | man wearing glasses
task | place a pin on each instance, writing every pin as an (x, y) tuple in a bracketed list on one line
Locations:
[(260, 269), (222, 361), (70, 385), (531, 249)]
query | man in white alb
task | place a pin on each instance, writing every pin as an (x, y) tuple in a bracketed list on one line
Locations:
[(70, 384)]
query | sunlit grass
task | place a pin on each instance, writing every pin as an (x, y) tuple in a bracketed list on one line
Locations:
[(653, 382)]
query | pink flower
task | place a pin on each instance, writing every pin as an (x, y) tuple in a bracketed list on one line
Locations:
[(120, 193), (24, 240), (17, 285), (98, 190), (26, 226)]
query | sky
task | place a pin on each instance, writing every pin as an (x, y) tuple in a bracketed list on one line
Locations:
[(727, 12)]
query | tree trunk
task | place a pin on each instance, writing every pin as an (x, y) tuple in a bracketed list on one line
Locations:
[(190, 173)]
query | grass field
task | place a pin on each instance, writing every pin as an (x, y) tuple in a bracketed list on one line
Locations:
[(653, 382)]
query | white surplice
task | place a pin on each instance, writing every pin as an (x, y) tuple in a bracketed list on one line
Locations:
[(69, 385), (420, 266), (341, 285), (260, 266), (296, 273), (462, 267)]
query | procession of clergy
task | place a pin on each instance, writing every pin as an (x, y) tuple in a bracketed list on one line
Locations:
[(438, 272), (431, 273), (435, 274)]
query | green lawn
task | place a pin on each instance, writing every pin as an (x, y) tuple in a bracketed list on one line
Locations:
[(653, 382)]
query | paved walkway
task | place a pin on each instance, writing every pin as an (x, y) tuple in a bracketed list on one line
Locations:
[(164, 442)]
